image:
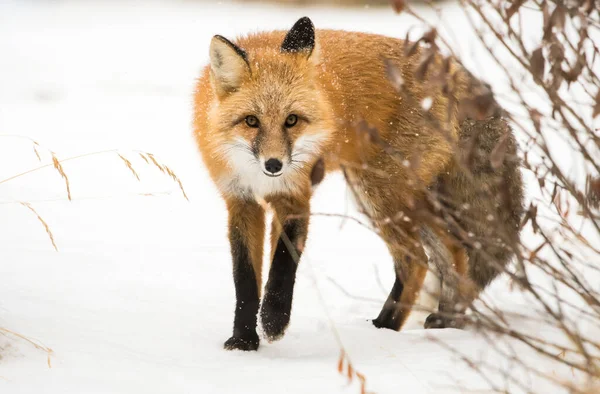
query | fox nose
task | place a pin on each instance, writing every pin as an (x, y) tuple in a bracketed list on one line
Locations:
[(273, 165)]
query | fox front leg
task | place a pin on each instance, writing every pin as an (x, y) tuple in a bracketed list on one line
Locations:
[(246, 237), (289, 230)]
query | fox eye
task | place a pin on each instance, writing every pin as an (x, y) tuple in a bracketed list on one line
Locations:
[(291, 120), (252, 121)]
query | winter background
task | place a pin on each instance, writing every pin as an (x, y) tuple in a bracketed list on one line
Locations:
[(139, 296)]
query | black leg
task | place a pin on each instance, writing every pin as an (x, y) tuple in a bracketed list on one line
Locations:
[(277, 302), (246, 292), (387, 316)]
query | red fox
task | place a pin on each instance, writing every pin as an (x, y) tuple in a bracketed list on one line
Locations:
[(270, 105)]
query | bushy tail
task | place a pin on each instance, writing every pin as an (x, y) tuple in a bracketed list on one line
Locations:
[(484, 193)]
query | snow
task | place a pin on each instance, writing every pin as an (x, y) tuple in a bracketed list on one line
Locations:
[(139, 296)]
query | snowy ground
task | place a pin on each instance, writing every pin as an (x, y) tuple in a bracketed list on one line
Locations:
[(139, 297)]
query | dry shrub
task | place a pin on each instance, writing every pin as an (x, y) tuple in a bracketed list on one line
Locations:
[(552, 103)]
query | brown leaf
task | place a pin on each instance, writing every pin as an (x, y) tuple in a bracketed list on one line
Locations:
[(536, 118), (534, 224), (423, 67), (593, 192), (595, 186), (557, 79), (537, 63), (558, 17), (350, 372), (486, 105), (398, 5), (597, 105), (566, 213), (545, 13), (554, 191), (569, 254), (588, 6), (574, 73), (318, 172), (514, 7), (557, 53), (430, 36), (465, 108), (583, 36), (479, 107), (411, 49), (530, 215), (541, 182), (555, 111)]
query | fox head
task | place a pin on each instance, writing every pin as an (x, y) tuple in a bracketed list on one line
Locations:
[(268, 115)]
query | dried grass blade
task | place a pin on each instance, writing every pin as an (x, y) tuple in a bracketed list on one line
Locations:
[(144, 157), (25, 204), (128, 165), (176, 179), (165, 170), (48, 350), (61, 171), (155, 162), (37, 153)]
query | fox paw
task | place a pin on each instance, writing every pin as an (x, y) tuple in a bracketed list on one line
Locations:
[(438, 320), (382, 323), (246, 343), (274, 320), (386, 319)]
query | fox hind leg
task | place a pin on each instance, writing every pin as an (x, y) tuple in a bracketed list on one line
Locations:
[(410, 267), (450, 260)]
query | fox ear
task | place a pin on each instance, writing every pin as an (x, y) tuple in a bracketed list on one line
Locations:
[(229, 65), (300, 38)]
